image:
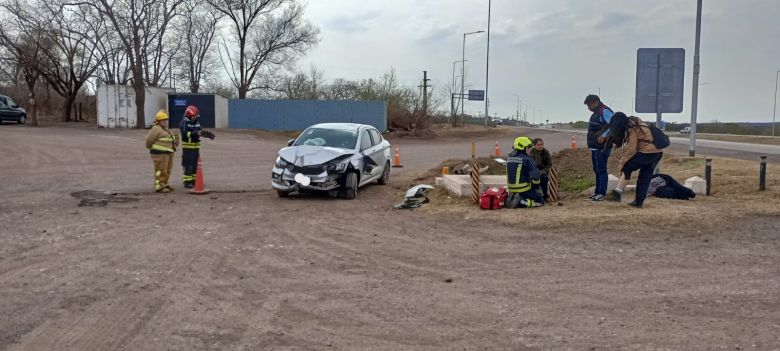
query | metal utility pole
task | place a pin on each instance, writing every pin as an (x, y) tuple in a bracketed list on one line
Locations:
[(463, 70), (517, 116), (696, 70), (487, 66), (453, 107), (425, 87), (774, 113)]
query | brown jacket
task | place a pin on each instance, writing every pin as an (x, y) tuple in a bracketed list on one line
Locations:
[(639, 139), (161, 140)]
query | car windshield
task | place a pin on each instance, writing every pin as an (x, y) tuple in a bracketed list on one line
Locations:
[(343, 139)]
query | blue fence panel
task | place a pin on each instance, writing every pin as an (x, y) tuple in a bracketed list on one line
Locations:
[(290, 115)]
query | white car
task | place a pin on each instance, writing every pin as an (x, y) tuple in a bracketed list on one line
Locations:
[(686, 130), (337, 158)]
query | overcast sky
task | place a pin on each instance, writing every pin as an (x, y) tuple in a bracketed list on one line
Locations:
[(553, 53)]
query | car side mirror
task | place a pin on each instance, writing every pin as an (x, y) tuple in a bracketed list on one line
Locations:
[(291, 142)]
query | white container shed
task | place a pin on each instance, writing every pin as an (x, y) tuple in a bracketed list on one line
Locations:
[(116, 105)]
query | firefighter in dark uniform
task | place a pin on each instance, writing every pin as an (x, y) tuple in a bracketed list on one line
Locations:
[(190, 143), (523, 177)]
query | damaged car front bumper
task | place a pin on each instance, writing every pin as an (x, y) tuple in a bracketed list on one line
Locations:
[(284, 180)]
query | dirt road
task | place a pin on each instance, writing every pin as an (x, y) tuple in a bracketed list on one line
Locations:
[(249, 271)]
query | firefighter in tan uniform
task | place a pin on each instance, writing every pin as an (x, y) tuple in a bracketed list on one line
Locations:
[(161, 144)]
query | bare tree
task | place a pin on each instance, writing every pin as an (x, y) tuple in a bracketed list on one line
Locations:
[(25, 53), (302, 86), (197, 30), (74, 57), (140, 25), (269, 33)]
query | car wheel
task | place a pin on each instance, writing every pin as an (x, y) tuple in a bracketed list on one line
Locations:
[(22, 120), (282, 193), (351, 186), (385, 178)]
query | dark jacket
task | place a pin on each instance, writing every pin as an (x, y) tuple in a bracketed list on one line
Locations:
[(190, 133), (543, 160), (597, 125), (673, 189), (522, 174)]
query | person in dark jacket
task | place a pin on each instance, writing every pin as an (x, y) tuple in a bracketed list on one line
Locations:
[(190, 135), (597, 134), (523, 178), (544, 163), (639, 154)]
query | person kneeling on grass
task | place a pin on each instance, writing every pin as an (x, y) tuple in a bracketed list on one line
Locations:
[(639, 153), (523, 178)]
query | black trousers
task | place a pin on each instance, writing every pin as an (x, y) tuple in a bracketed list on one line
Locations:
[(189, 161), (645, 164)]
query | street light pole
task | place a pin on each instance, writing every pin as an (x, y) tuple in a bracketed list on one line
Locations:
[(517, 115), (487, 66), (774, 113), (696, 69), (454, 88), (463, 69)]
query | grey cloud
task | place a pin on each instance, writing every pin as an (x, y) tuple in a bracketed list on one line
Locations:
[(352, 24)]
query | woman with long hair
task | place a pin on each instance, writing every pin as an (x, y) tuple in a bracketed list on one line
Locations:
[(639, 153)]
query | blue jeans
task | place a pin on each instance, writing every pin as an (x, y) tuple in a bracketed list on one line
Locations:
[(645, 164), (600, 159)]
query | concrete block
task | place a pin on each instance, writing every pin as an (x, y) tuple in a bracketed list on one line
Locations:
[(698, 185), (439, 181), (460, 185), (612, 183)]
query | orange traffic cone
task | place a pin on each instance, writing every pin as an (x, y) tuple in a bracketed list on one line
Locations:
[(573, 142), (200, 189), (498, 150), (397, 162)]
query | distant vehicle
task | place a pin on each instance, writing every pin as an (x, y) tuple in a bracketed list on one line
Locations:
[(337, 158), (686, 130), (10, 111), (498, 121)]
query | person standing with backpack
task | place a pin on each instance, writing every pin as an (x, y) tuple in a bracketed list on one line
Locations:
[(643, 146), (597, 134)]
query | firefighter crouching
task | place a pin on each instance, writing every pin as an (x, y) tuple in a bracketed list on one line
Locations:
[(161, 144), (190, 134), (523, 177)]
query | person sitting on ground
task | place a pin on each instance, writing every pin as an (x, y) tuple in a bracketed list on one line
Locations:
[(639, 153), (523, 178), (543, 162)]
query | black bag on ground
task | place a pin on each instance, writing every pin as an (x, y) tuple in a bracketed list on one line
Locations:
[(673, 189)]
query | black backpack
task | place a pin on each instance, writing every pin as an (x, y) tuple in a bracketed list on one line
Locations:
[(660, 139)]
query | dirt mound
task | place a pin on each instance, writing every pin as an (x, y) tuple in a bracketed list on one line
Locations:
[(575, 169)]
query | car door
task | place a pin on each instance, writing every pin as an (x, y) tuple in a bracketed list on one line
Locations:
[(5, 111), (370, 166), (381, 152)]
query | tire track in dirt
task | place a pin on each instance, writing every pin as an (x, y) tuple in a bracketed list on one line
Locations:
[(109, 325)]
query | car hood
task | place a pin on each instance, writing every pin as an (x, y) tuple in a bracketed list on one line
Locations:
[(306, 155)]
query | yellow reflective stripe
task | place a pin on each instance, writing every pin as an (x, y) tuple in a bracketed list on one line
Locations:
[(191, 144), (166, 139), (519, 188), (190, 147), (534, 181), (161, 148)]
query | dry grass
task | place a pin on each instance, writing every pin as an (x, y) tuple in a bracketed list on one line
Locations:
[(735, 196)]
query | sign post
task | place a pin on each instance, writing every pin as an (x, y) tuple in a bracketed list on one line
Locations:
[(660, 80)]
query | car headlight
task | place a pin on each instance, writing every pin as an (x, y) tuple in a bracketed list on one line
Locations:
[(281, 163), (338, 166)]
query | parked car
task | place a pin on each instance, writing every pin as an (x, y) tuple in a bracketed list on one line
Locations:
[(10, 111), (337, 158), (686, 130), (498, 121)]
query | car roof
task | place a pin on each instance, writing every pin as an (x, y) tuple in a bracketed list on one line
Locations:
[(340, 126)]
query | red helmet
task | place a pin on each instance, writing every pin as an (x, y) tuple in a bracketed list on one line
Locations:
[(191, 112)]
